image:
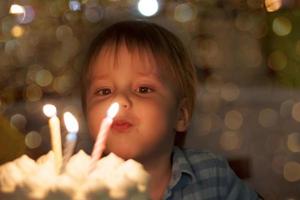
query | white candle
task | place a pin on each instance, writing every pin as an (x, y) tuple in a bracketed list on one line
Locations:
[(99, 145), (54, 124), (71, 138)]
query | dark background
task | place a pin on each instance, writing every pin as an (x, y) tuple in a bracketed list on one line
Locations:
[(247, 54)]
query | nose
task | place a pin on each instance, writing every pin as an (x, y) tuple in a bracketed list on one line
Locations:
[(124, 100)]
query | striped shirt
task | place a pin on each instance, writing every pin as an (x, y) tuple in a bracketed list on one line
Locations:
[(201, 175)]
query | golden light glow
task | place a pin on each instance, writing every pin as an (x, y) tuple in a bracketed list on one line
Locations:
[(71, 122), (233, 119), (49, 110), (296, 112), (33, 140), (277, 60), (17, 31), (291, 171), (113, 110), (230, 140), (268, 117), (293, 142), (33, 93), (273, 5), (282, 26)]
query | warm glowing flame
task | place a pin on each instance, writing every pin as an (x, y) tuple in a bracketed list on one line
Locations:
[(113, 110), (71, 122), (49, 110), (16, 9)]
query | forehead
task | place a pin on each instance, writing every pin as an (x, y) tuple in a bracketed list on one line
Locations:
[(140, 59)]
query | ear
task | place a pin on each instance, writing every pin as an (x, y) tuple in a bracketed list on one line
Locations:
[(182, 120)]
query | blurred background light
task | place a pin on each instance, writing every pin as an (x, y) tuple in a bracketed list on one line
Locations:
[(184, 12), (291, 171), (273, 5), (233, 120), (16, 9), (230, 92), (296, 112), (293, 142), (277, 60), (27, 16), (33, 139), (267, 117), (230, 140), (17, 31), (74, 5), (18, 121), (148, 7), (43, 78), (93, 12), (282, 26)]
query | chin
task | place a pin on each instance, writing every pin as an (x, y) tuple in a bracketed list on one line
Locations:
[(125, 152)]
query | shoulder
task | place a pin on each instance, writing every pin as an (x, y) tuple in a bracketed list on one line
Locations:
[(204, 159), (206, 165)]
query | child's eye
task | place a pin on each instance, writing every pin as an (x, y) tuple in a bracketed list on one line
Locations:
[(103, 91), (144, 90)]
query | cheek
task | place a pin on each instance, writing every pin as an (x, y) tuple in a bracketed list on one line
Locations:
[(158, 115), (94, 117)]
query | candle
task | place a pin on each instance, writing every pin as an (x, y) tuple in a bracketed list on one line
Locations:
[(54, 124), (99, 145), (71, 138)]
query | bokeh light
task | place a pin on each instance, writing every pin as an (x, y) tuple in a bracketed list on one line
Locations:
[(293, 142), (291, 171), (43, 78), (93, 12), (18, 121), (230, 140), (33, 139), (148, 7), (286, 108), (74, 5), (268, 117), (16, 9), (296, 112), (282, 26), (184, 12), (273, 5), (234, 120), (230, 92), (17, 31), (63, 32), (26, 17), (33, 93), (277, 60)]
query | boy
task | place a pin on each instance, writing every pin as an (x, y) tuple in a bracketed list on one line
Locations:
[(146, 69)]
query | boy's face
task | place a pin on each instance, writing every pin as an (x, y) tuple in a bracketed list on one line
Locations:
[(149, 110)]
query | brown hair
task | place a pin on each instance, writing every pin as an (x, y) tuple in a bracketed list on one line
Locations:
[(166, 48)]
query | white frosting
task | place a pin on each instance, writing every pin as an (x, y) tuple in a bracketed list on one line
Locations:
[(110, 178)]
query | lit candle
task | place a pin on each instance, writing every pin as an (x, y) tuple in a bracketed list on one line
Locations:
[(54, 124), (71, 138), (99, 145)]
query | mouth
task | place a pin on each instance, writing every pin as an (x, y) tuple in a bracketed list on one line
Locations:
[(121, 125)]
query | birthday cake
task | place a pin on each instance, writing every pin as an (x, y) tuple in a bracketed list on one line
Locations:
[(110, 178)]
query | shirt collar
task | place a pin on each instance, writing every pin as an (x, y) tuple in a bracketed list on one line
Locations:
[(182, 173)]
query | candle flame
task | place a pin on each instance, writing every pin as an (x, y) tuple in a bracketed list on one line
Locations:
[(113, 110), (49, 110), (16, 9), (70, 122)]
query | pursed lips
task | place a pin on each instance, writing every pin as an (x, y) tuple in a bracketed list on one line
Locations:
[(120, 125)]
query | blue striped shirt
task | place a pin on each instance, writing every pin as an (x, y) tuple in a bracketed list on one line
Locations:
[(200, 175)]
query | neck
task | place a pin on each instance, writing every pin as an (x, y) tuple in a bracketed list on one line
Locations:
[(160, 173)]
